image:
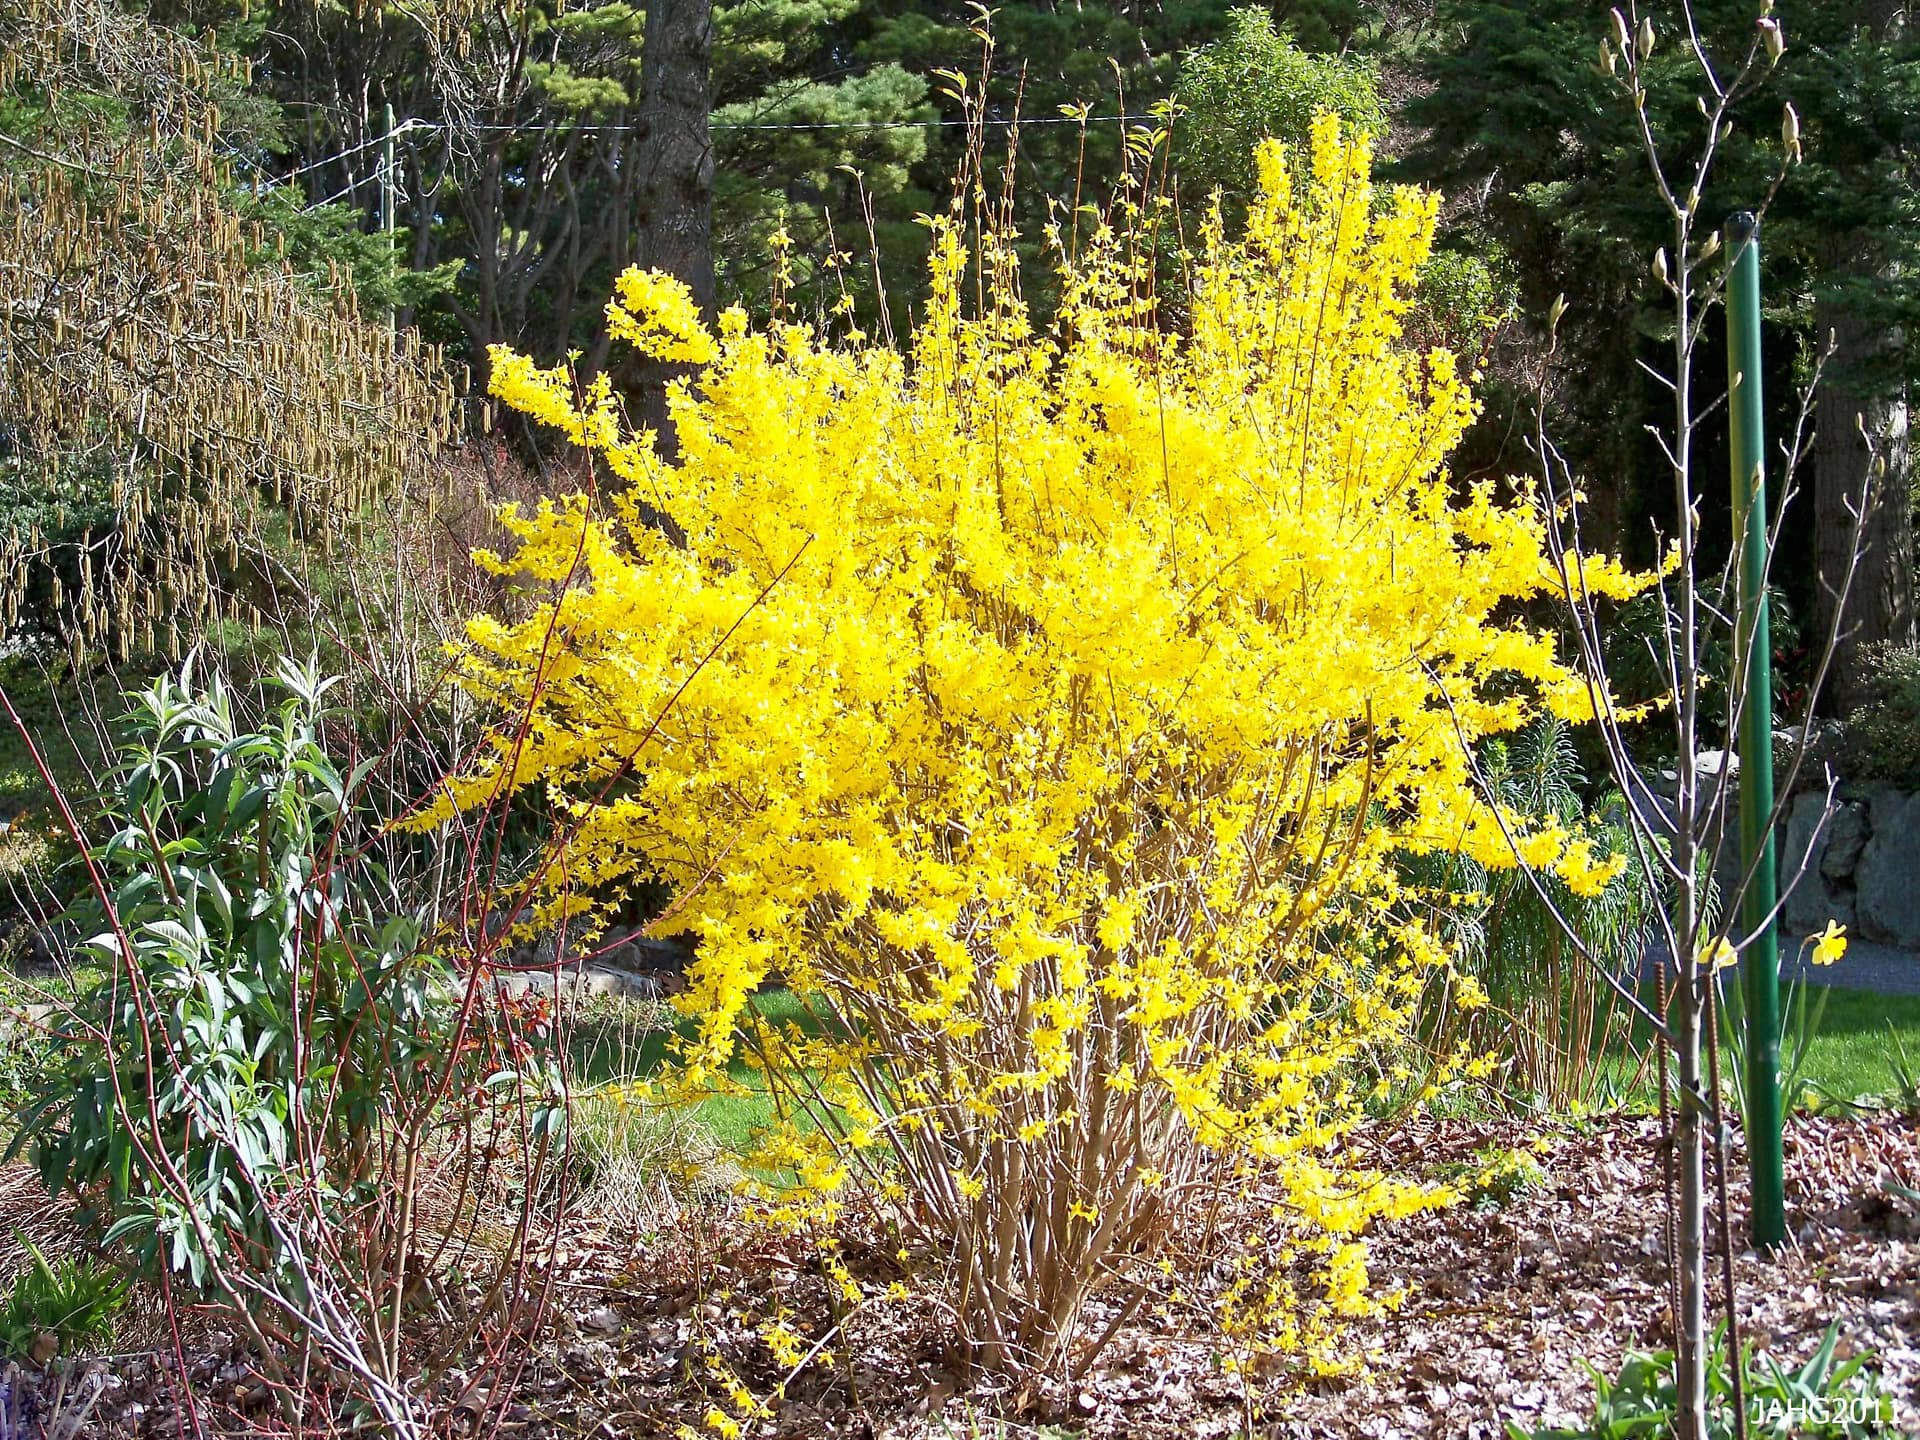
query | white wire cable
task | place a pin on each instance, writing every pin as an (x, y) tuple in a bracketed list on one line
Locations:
[(338, 195), (341, 155), (857, 124), (402, 128), (427, 125)]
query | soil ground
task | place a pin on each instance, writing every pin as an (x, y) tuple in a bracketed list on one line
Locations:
[(1502, 1303)]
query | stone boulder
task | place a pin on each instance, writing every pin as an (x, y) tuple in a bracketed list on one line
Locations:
[(1846, 837), (619, 950), (1816, 896), (1887, 876)]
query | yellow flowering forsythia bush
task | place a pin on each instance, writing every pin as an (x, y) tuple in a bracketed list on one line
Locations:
[(1046, 710)]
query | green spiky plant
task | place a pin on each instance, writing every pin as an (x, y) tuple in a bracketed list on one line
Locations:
[(1825, 1399), (1802, 1013), (1551, 1019), (74, 1301)]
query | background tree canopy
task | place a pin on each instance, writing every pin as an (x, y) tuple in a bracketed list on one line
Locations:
[(1513, 121), (481, 173)]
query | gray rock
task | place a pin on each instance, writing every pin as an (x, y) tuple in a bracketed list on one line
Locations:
[(633, 951), (617, 950), (1847, 832), (38, 951), (1811, 905), (1813, 899), (1883, 803), (1709, 763), (1887, 878), (544, 950), (592, 980)]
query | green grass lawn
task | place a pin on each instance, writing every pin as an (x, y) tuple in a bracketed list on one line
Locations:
[(1852, 1040), (617, 1041), (1851, 1054), (1850, 1057)]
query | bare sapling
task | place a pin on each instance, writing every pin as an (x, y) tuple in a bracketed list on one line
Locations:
[(1681, 830)]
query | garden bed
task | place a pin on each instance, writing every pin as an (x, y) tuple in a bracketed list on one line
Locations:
[(1503, 1302), (1504, 1298)]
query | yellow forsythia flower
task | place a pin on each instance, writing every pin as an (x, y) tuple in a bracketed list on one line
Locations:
[(1586, 874), (657, 315)]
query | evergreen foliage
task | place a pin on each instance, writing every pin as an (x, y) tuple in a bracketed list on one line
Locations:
[(1512, 117)]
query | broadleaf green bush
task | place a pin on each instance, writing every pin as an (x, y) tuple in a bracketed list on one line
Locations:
[(309, 1103), (1881, 739), (260, 1018)]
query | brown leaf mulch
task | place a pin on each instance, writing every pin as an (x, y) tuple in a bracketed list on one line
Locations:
[(1502, 1303), (1505, 1304)]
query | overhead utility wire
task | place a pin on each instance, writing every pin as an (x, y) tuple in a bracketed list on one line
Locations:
[(428, 125)]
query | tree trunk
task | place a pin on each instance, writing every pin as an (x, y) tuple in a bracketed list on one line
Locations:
[(1861, 390), (1853, 399), (1690, 1325), (673, 156)]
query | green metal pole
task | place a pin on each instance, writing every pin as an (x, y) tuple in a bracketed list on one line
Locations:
[(1753, 651)]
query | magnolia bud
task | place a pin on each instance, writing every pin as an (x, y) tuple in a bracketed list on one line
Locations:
[(1773, 40), (1790, 132), (1619, 23), (1643, 42), (1712, 247), (1555, 311), (1660, 264), (1608, 60)]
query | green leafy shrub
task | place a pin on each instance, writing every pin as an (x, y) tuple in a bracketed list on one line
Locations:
[(1881, 739), (249, 999), (74, 1301), (281, 1089), (1255, 84), (1496, 1177), (1825, 1399), (1550, 1017), (1464, 298)]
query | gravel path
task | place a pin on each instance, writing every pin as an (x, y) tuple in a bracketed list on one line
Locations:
[(1882, 969), (1866, 966)]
